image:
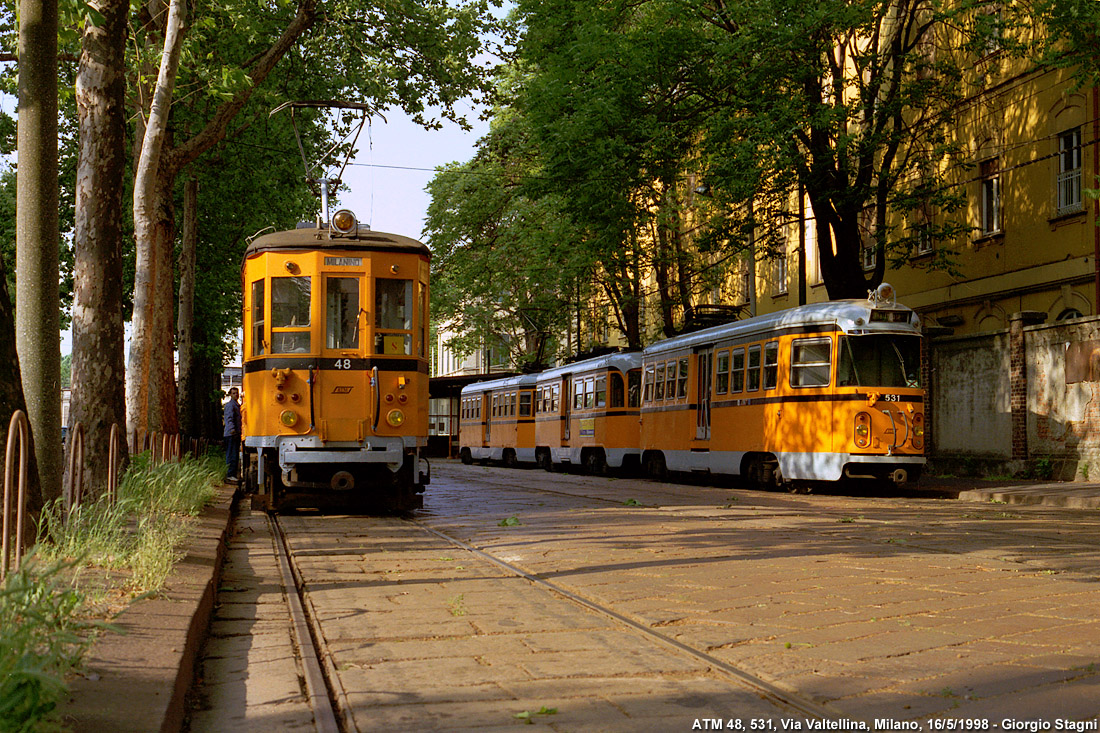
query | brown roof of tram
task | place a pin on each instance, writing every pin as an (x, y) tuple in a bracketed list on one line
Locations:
[(314, 238)]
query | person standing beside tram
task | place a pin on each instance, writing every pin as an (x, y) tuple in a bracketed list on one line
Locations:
[(231, 419)]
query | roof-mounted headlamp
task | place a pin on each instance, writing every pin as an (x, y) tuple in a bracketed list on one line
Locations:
[(343, 222)]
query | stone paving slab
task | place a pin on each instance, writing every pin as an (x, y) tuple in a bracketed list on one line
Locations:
[(874, 607), (250, 677), (470, 651)]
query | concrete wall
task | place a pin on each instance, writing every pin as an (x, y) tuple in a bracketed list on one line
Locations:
[(970, 389), (970, 394), (1063, 400)]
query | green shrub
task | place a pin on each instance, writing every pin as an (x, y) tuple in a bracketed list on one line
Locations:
[(44, 637)]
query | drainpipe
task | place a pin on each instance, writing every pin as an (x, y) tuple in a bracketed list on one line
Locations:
[(1096, 203)]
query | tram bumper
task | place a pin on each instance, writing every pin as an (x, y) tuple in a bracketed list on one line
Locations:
[(388, 451)]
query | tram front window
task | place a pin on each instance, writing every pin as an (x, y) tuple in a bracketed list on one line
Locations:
[(879, 360), (290, 303), (393, 309), (342, 313)]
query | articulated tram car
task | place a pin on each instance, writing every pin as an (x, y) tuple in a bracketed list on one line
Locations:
[(336, 366), (814, 393), (497, 422), (587, 413)]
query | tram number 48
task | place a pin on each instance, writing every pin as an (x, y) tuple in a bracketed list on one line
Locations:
[(342, 364)]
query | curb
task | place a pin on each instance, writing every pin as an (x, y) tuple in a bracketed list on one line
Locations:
[(139, 680), (1066, 496)]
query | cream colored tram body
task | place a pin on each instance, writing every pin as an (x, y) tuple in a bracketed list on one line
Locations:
[(336, 366), (497, 421), (814, 393), (586, 413)]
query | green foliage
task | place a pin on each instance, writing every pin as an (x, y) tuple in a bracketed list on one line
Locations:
[(1070, 37), (143, 532), (44, 639), (616, 119), (505, 266)]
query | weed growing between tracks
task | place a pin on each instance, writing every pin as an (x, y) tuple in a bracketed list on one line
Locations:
[(85, 569)]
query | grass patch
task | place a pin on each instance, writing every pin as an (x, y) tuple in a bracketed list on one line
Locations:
[(85, 569)]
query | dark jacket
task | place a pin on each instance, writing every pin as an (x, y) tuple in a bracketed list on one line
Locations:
[(231, 418)]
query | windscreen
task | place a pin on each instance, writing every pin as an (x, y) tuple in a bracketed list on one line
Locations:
[(879, 360)]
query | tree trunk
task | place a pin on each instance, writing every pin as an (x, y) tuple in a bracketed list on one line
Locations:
[(185, 341), (98, 389), (151, 395), (11, 397), (37, 324), (144, 374)]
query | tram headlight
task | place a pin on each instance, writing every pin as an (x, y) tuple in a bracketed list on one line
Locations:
[(862, 430), (918, 431), (288, 418), (343, 222), (396, 418)]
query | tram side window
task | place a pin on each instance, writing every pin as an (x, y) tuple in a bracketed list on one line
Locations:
[(670, 380), (682, 387), (771, 364), (617, 392), (555, 396), (810, 361), (722, 372), (525, 398), (601, 391), (589, 393), (393, 311), (258, 318), (647, 384), (659, 391), (578, 394), (737, 371), (754, 369), (633, 387), (290, 300)]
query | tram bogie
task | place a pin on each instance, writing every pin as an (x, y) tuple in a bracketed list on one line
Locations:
[(336, 367)]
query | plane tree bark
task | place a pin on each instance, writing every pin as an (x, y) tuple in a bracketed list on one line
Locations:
[(98, 398)]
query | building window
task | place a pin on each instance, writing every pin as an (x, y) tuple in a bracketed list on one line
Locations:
[(990, 203), (867, 228), (781, 272), (1069, 171)]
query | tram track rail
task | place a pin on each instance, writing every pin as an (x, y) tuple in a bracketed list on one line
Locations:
[(327, 698)]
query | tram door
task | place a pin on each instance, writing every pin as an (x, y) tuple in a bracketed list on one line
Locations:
[(702, 416), (487, 400), (342, 384), (566, 406)]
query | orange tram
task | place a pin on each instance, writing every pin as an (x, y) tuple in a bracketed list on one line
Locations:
[(336, 367), (812, 394)]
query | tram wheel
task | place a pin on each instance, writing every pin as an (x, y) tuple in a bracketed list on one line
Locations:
[(465, 456), (543, 460), (595, 463), (655, 466), (510, 460)]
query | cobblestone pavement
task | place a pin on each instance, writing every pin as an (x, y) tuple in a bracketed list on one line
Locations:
[(862, 607), (880, 607)]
